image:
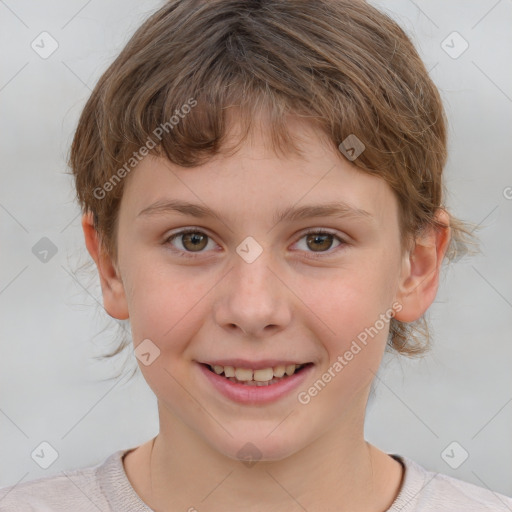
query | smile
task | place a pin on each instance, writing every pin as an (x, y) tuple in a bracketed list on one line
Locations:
[(241, 385), (261, 377)]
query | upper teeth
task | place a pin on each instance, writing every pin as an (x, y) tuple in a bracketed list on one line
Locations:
[(263, 375)]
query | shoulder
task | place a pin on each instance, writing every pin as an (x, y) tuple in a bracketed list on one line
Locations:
[(78, 490), (427, 491)]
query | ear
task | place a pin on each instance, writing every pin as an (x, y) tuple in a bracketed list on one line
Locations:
[(419, 279), (114, 298)]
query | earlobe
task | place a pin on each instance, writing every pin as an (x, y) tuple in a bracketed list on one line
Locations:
[(421, 268), (114, 297)]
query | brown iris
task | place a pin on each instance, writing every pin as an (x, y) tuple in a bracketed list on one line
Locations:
[(197, 240), (320, 238)]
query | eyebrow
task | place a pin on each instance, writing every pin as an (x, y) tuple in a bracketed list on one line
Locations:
[(338, 209)]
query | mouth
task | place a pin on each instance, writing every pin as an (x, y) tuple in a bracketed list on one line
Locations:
[(257, 377)]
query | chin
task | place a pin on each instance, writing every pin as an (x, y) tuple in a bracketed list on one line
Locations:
[(260, 447)]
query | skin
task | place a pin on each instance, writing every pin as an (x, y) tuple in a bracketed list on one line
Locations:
[(282, 305)]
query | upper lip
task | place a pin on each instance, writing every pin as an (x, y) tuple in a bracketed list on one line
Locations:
[(253, 365)]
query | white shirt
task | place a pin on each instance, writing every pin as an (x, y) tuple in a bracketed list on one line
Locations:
[(105, 488)]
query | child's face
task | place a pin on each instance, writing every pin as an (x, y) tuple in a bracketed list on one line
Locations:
[(284, 305)]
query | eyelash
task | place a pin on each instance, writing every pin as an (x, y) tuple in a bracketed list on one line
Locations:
[(188, 254)]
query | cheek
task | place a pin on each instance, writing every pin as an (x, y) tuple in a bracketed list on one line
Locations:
[(163, 307), (351, 307), (350, 297)]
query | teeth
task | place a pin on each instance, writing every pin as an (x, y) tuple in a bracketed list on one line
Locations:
[(256, 377), (265, 374), (279, 371), (290, 369), (229, 371), (243, 374)]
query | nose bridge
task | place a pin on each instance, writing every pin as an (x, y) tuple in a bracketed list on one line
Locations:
[(251, 280), (252, 297)]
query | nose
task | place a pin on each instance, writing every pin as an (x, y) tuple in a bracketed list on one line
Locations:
[(253, 298)]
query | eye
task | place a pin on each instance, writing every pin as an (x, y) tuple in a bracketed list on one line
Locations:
[(193, 240), (320, 241)]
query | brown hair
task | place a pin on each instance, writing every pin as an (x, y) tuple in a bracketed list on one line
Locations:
[(342, 64)]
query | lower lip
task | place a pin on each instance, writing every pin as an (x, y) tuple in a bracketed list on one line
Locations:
[(245, 394)]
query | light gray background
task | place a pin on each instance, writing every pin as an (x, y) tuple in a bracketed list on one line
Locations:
[(51, 322)]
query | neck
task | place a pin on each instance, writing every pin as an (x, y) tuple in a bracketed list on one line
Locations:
[(339, 470)]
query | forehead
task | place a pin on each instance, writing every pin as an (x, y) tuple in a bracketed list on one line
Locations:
[(255, 180)]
